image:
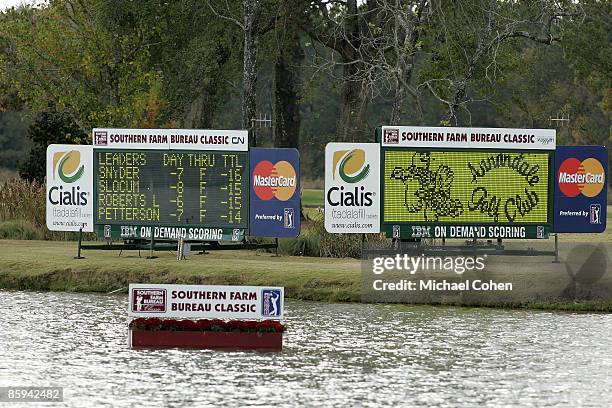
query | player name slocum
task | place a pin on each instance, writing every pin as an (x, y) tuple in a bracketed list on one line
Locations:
[(440, 285)]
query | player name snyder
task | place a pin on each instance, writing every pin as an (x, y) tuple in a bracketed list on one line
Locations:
[(440, 285)]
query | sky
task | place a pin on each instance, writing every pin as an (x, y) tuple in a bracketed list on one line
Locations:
[(4, 4)]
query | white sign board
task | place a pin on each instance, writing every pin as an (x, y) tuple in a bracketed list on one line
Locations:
[(171, 139), (352, 187), (206, 301), (464, 137), (69, 188)]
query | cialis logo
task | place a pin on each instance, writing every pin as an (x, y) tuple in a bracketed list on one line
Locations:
[(350, 165), (67, 165)]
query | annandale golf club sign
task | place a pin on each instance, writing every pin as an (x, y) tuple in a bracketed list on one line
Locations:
[(437, 182)]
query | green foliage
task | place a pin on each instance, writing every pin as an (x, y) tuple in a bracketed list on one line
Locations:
[(544, 87), (13, 143), (587, 42), (71, 56), (199, 57), (48, 128)]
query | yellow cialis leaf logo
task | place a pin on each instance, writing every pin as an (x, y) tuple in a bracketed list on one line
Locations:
[(350, 165), (66, 166)]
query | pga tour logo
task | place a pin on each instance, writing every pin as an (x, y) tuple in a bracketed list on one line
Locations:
[(288, 218), (148, 300), (271, 302), (595, 214)]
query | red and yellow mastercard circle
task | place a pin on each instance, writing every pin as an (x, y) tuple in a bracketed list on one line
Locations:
[(587, 177), (271, 180)]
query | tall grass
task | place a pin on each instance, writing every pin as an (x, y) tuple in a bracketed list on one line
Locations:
[(6, 174), (314, 240), (23, 213), (22, 200)]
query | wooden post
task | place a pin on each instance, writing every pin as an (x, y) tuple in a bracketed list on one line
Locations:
[(151, 248), (79, 245)]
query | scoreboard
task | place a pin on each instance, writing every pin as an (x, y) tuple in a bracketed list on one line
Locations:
[(140, 187), (474, 183), (171, 184)]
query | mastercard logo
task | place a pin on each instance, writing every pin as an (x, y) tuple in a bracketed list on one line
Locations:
[(587, 177), (271, 180)]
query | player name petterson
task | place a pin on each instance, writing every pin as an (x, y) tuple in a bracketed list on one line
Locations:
[(440, 285)]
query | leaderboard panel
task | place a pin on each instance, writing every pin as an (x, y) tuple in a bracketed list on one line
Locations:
[(171, 188)]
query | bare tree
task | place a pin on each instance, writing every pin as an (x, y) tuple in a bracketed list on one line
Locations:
[(253, 24), (345, 27), (396, 50), (287, 65), (472, 36)]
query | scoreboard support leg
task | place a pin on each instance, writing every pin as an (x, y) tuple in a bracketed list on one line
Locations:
[(556, 249), (151, 249), (79, 245)]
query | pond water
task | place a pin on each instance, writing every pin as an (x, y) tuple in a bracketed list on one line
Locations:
[(334, 354)]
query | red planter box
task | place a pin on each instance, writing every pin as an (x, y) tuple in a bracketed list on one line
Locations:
[(206, 340)]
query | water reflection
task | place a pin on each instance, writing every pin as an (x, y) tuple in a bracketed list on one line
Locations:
[(338, 354)]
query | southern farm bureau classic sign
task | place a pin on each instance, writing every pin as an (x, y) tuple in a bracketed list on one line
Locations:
[(466, 182), (422, 182), (171, 183), (206, 301)]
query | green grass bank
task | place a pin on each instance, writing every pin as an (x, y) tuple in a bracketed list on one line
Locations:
[(49, 266)]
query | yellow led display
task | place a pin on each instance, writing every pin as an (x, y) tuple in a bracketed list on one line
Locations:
[(465, 187)]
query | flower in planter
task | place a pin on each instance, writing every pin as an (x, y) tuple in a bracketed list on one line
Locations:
[(204, 325), (217, 325)]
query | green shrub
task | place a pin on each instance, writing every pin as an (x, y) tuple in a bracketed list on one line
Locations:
[(306, 244), (314, 240), (20, 229)]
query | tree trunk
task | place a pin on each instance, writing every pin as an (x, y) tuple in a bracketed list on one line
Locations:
[(250, 64), (351, 125), (398, 101), (460, 86), (409, 30), (286, 88), (201, 111)]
